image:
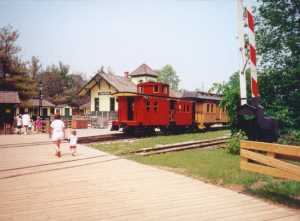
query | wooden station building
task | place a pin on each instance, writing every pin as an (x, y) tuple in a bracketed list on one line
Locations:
[(103, 85)]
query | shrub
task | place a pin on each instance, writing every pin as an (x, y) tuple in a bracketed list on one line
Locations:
[(233, 146), (292, 137)]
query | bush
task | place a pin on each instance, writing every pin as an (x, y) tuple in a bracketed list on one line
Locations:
[(292, 137), (233, 146)]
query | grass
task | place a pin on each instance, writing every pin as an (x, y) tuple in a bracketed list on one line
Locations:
[(214, 166), (122, 147)]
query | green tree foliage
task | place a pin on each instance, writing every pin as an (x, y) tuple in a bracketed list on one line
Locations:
[(278, 43), (231, 96), (168, 75), (59, 85), (15, 73)]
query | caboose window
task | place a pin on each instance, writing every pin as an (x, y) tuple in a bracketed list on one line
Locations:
[(155, 106), (155, 89), (188, 108), (148, 105)]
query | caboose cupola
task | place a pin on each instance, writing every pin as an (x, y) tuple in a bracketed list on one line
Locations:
[(153, 88)]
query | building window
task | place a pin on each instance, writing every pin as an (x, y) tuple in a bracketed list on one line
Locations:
[(155, 89), (207, 108), (96, 103), (112, 104), (212, 108)]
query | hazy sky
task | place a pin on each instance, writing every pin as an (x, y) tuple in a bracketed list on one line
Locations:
[(197, 37)]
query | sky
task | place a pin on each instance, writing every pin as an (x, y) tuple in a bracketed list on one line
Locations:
[(197, 37)]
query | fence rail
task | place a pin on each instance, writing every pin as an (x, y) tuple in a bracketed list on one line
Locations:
[(277, 160)]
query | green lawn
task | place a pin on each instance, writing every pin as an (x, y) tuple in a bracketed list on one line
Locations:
[(122, 147), (214, 166)]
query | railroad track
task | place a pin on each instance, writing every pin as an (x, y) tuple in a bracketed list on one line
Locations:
[(81, 140), (181, 146), (102, 138)]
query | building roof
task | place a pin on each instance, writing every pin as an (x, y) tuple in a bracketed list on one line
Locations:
[(143, 70), (63, 105), (121, 84), (9, 97), (86, 105), (36, 103), (201, 95)]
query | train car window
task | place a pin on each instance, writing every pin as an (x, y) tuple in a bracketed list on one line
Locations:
[(179, 107), (188, 108), (207, 108), (155, 106), (148, 105), (155, 89), (140, 89)]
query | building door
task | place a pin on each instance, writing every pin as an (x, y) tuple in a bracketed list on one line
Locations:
[(45, 112), (67, 112), (112, 104), (130, 108), (96, 109)]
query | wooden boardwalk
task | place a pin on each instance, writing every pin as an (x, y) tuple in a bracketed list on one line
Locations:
[(35, 185)]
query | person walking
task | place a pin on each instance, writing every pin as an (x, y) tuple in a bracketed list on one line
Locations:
[(57, 133), (73, 142), (38, 124), (25, 121), (19, 124)]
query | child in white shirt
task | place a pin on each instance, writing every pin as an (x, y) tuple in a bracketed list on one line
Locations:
[(73, 142)]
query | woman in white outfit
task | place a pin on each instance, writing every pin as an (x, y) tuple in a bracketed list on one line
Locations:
[(57, 130)]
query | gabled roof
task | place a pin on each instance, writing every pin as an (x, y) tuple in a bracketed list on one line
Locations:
[(36, 103), (9, 97), (86, 105), (143, 70), (121, 84), (201, 95), (63, 106)]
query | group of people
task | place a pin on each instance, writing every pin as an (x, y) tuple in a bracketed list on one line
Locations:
[(56, 131), (29, 124), (57, 134)]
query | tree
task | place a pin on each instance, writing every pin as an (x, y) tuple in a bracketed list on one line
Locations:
[(15, 72), (168, 75), (278, 44), (8, 48), (60, 86), (35, 67), (231, 96)]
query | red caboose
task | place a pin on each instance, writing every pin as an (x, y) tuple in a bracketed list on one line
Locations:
[(152, 107)]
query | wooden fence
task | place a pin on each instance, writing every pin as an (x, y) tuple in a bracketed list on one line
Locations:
[(277, 160)]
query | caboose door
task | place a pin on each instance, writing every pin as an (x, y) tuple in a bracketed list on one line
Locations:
[(172, 110), (130, 106)]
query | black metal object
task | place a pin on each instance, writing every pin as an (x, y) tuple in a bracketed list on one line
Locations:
[(255, 124), (40, 98)]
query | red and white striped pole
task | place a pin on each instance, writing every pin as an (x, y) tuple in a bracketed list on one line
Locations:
[(241, 26), (252, 53)]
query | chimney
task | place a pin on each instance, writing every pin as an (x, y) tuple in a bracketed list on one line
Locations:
[(126, 73)]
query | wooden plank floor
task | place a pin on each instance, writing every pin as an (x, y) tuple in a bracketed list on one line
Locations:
[(35, 185)]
